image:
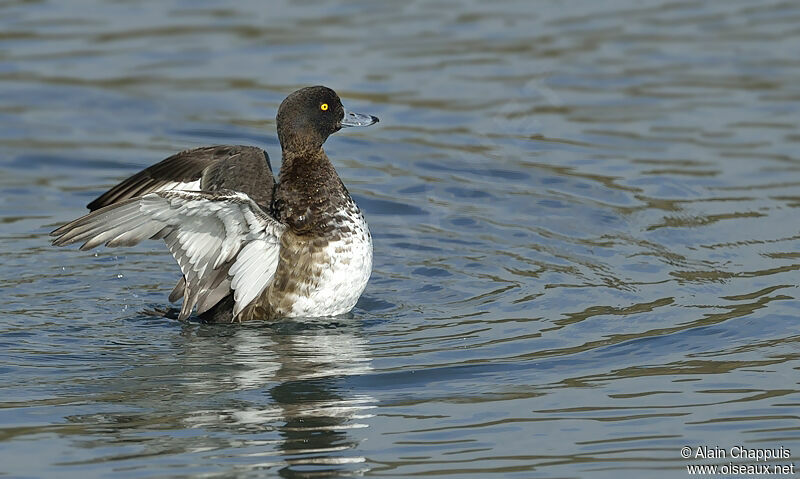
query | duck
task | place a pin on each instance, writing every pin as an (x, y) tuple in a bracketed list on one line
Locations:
[(248, 247)]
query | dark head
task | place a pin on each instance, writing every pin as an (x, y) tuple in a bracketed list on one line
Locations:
[(308, 116)]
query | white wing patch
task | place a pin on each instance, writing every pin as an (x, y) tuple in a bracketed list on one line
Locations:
[(179, 185), (253, 271), (212, 235)]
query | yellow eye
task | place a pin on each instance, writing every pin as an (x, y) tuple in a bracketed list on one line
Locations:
[(324, 107)]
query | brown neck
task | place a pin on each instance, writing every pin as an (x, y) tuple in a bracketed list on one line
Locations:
[(309, 192), (301, 161)]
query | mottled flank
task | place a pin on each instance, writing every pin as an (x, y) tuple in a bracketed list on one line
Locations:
[(319, 275)]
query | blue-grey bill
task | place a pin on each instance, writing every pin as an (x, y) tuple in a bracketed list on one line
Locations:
[(352, 118)]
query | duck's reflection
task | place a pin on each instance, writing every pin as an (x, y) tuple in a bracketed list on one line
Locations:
[(290, 379)]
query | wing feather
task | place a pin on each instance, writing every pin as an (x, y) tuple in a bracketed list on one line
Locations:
[(222, 241), (253, 270)]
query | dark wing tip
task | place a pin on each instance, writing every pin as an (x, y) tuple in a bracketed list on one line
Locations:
[(96, 204), (59, 234)]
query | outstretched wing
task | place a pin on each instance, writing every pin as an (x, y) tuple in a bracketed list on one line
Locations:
[(222, 240)]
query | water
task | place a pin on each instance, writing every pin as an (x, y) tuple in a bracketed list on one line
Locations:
[(586, 239)]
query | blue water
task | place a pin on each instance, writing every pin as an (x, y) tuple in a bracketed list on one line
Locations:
[(586, 239)]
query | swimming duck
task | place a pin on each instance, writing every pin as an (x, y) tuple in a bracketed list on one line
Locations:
[(248, 247)]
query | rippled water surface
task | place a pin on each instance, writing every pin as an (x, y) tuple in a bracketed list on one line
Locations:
[(586, 239)]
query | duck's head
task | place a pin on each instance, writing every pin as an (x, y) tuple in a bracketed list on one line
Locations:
[(308, 116)]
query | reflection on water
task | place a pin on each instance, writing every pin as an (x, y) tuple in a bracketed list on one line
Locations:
[(585, 225), (281, 385)]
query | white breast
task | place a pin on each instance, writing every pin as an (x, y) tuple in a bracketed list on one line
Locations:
[(340, 284)]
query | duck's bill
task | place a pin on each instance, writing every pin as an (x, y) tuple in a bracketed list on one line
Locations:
[(352, 118)]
